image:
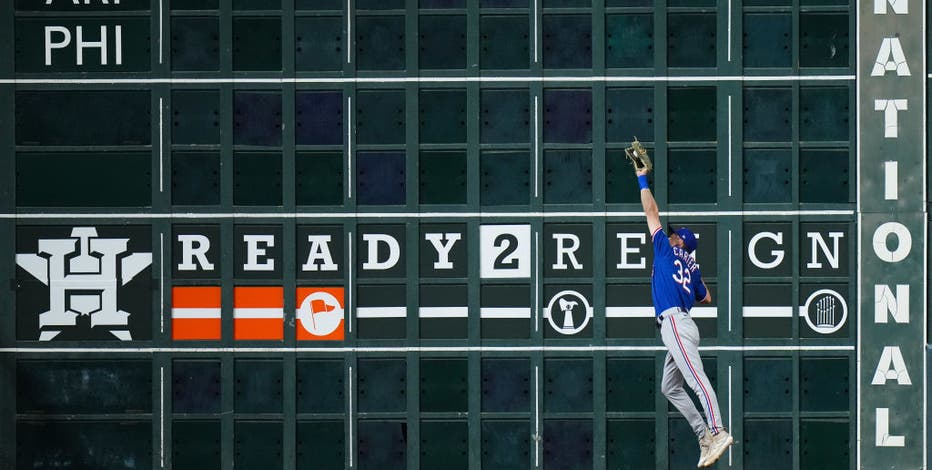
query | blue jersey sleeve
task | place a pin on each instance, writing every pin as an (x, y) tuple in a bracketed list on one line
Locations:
[(661, 243)]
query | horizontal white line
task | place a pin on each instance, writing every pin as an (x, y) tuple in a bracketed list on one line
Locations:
[(355, 215), (247, 313), (704, 312), (381, 312), (630, 312), (443, 312), (504, 312), (205, 313), (483, 79), (418, 349), (767, 312), (648, 312)]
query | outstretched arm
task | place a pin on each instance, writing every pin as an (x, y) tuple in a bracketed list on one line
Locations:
[(649, 204), (708, 295)]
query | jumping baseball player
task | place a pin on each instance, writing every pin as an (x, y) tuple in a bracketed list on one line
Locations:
[(676, 283)]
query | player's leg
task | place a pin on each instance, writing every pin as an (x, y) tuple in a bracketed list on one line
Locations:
[(681, 337), (684, 333), (672, 387)]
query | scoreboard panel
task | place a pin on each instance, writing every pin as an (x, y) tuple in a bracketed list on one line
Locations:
[(403, 234)]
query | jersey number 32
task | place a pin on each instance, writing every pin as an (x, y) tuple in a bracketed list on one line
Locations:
[(682, 276)]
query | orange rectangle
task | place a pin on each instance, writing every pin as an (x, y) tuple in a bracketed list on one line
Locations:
[(320, 314), (196, 297), (258, 297), (196, 329), (258, 329)]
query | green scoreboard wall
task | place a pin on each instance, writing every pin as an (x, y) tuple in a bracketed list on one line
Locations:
[(403, 234)]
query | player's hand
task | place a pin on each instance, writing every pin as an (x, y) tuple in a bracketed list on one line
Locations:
[(641, 172)]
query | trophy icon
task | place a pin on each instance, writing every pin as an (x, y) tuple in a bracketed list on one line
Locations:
[(567, 307)]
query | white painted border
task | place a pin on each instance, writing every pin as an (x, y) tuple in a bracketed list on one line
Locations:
[(411, 349), (415, 215), (481, 79)]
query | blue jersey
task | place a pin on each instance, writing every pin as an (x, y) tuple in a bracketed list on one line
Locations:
[(676, 280)]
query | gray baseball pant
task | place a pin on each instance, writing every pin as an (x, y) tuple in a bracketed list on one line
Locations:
[(681, 337)]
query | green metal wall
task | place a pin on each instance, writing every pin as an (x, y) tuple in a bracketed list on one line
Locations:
[(300, 139)]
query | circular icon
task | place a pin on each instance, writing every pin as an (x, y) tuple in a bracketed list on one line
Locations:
[(568, 312), (825, 311), (320, 313)]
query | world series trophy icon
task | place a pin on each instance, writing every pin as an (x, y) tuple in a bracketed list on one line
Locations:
[(567, 307), (825, 312)]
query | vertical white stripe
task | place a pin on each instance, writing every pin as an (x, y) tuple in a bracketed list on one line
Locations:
[(349, 384), (161, 16), (349, 286), (161, 145), (349, 37), (349, 147), (857, 451), (537, 437), (925, 335), (730, 423), (536, 49), (162, 283), (890, 182), (729, 134), (729, 42), (162, 416), (536, 145), (730, 285), (536, 279)]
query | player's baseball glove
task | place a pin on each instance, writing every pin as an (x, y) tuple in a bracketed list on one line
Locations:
[(638, 156)]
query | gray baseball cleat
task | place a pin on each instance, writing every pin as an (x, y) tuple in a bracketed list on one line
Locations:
[(720, 443), (704, 443)]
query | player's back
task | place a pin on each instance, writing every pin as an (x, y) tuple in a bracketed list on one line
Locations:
[(676, 279)]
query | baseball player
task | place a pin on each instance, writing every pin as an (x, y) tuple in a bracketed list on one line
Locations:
[(676, 283)]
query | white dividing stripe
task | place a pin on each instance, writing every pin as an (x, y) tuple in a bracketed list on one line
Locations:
[(482, 79), (161, 47), (381, 312), (349, 281), (414, 215), (349, 382), (729, 36), (161, 282), (271, 313), (349, 41), (443, 312), (162, 416), (536, 146), (161, 146), (648, 312), (729, 112), (410, 349), (730, 422), (767, 312), (704, 312), (730, 285), (349, 147), (536, 278), (537, 437), (629, 312), (890, 183), (196, 313), (536, 48), (504, 312)]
